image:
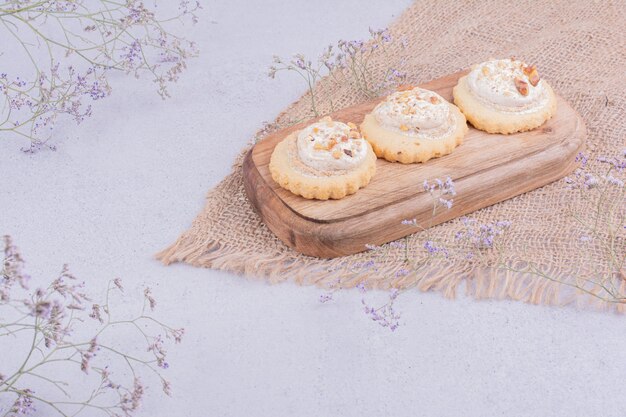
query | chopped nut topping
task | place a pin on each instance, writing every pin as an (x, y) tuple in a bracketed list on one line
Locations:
[(354, 134), (534, 79), (319, 147), (344, 138), (406, 111), (531, 72), (331, 143), (336, 154), (404, 128), (528, 69), (347, 152), (405, 87), (315, 130), (434, 100), (522, 86)]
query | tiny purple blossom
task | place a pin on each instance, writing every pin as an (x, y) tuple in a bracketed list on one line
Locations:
[(430, 247), (402, 272), (326, 297), (24, 404), (614, 181), (590, 181), (118, 283)]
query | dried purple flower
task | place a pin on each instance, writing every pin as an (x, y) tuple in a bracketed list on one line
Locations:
[(386, 315), (63, 88), (167, 388), (614, 181), (87, 355), (347, 63), (446, 203), (12, 272), (590, 181), (131, 401), (433, 249), (481, 236), (440, 190), (118, 283), (95, 313), (147, 292), (24, 404), (41, 309), (56, 309), (397, 244), (402, 273), (430, 246), (178, 334), (326, 297)]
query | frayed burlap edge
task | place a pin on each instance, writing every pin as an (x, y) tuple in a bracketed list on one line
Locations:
[(480, 283)]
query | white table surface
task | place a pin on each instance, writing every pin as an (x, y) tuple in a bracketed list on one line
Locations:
[(125, 183)]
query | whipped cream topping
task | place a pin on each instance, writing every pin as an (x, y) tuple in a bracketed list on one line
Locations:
[(415, 112), (502, 83), (330, 146)]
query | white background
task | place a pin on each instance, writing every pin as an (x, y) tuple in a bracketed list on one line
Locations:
[(125, 183)]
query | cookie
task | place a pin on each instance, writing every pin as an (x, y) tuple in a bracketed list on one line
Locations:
[(505, 96), (414, 125), (327, 159)]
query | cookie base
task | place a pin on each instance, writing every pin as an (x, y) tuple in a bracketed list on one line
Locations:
[(396, 147), (493, 121), (322, 187)]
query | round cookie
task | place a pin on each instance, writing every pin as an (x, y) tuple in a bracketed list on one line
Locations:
[(505, 96), (414, 125), (327, 159)]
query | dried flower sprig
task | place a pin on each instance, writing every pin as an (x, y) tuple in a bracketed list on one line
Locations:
[(71, 47), (346, 63), (602, 216), (50, 319), (441, 192), (385, 315)]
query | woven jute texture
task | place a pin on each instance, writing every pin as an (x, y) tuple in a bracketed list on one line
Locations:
[(580, 47)]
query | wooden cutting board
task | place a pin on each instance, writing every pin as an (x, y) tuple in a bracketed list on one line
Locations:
[(486, 169)]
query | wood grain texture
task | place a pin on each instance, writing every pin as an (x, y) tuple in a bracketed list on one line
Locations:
[(486, 169)]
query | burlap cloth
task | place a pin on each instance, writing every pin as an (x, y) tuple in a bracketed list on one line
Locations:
[(580, 47)]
